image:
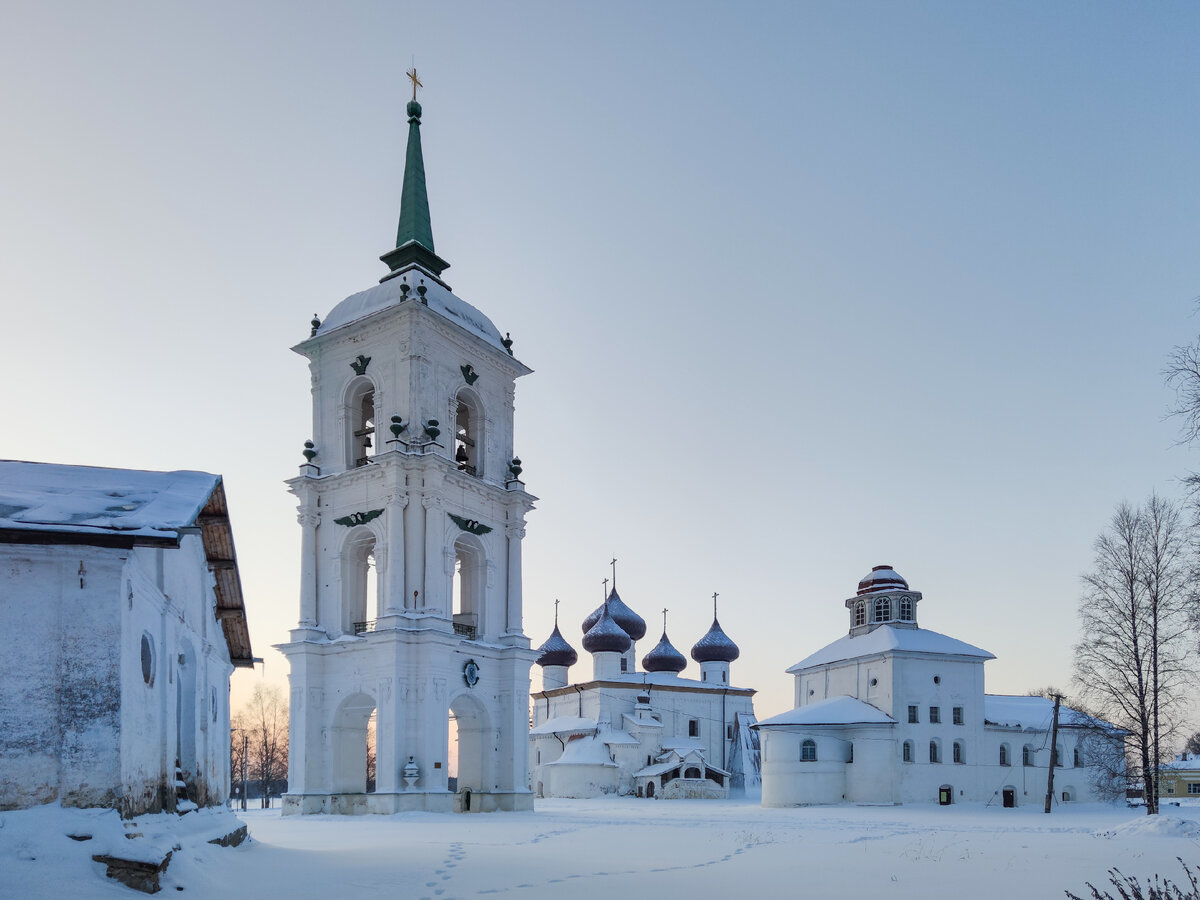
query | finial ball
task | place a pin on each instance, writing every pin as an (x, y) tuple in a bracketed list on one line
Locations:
[(414, 109)]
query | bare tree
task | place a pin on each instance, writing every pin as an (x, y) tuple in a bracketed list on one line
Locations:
[(1100, 744), (1192, 747), (264, 719), (1133, 659)]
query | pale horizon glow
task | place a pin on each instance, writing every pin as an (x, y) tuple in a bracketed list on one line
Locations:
[(807, 288)]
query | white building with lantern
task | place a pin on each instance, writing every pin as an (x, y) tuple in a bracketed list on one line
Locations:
[(895, 713), (648, 732), (412, 514)]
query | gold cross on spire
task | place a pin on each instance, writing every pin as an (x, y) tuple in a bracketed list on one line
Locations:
[(664, 620), (715, 595), (416, 82)]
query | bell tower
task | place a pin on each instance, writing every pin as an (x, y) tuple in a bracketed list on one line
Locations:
[(412, 512)]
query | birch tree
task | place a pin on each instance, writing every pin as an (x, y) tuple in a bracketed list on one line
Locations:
[(265, 720), (1134, 658)]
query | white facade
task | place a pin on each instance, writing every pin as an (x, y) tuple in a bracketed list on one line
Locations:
[(412, 517), (121, 604), (897, 714), (648, 733)]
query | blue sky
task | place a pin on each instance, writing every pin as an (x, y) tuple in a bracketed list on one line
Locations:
[(807, 287)]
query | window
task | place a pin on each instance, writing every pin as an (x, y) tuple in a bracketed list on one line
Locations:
[(850, 752), (1027, 755), (1058, 757), (1004, 755), (468, 439), (624, 664), (913, 718), (539, 758), (860, 613), (808, 750), (729, 732), (883, 609), (958, 715), (1077, 758), (935, 715), (906, 609), (960, 755), (360, 416), (934, 752), (723, 678), (908, 751), (704, 676), (148, 659), (1170, 787), (1194, 787), (693, 727)]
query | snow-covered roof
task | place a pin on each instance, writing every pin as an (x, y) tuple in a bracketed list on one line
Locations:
[(584, 751), (642, 723), (1192, 763), (670, 679), (885, 639), (617, 737), (1034, 714), (91, 500), (439, 299), (682, 745), (840, 710), (566, 725)]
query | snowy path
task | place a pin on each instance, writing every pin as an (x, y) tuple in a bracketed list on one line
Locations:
[(636, 849)]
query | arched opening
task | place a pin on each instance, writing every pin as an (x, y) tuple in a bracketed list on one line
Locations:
[(1009, 795), (371, 752), (1076, 758), (945, 795), (469, 747), (348, 742), (808, 750), (908, 751), (935, 751), (468, 433), (1004, 755), (360, 582), (359, 415), (469, 587), (1027, 755), (691, 772), (860, 613), (960, 752), (906, 609), (883, 609), (185, 716), (649, 788)]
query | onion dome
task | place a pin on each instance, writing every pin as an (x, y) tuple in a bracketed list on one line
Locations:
[(664, 657), (631, 623), (882, 578), (715, 646), (556, 651), (606, 636)]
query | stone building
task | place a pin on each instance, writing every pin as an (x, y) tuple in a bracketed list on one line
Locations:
[(124, 618), (895, 713), (412, 513), (648, 732)]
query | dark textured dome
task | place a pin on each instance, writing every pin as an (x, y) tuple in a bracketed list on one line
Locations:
[(664, 658), (556, 651), (882, 578), (631, 623), (715, 646), (606, 636)]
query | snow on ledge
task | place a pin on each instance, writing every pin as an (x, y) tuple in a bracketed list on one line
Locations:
[(885, 639), (842, 710)]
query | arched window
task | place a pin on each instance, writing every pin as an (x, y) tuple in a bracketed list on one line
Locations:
[(360, 583), (360, 421), (906, 609), (1078, 758), (1027, 755), (808, 750), (883, 609), (468, 433), (960, 754), (469, 588), (908, 751), (1004, 755), (691, 772), (935, 752), (860, 613)]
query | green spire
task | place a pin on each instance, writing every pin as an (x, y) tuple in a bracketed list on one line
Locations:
[(414, 237)]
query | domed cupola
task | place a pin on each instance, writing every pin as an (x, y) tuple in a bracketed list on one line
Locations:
[(883, 598), (556, 651), (882, 578), (715, 646), (605, 635), (664, 657), (631, 623)]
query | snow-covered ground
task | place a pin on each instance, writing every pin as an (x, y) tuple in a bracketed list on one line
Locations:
[(621, 847)]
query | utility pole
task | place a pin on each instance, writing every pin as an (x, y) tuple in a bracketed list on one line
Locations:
[(1053, 754), (245, 750)]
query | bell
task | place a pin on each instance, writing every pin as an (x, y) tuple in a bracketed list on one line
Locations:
[(460, 455)]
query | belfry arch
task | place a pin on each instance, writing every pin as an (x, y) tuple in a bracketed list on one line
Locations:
[(360, 415), (359, 571), (469, 437)]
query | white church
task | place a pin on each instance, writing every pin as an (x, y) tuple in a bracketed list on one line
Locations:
[(895, 713), (412, 514), (648, 732)]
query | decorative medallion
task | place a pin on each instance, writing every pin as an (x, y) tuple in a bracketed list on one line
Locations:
[(469, 373), (471, 673), (469, 525), (359, 518), (360, 365)]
